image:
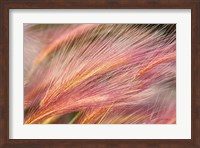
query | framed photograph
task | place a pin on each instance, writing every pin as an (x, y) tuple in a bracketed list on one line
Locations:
[(100, 73)]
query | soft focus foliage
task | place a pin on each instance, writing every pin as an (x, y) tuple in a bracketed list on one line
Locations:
[(100, 73)]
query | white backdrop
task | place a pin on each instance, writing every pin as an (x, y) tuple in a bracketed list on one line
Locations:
[(180, 130)]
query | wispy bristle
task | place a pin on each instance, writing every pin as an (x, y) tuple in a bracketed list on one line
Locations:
[(106, 73)]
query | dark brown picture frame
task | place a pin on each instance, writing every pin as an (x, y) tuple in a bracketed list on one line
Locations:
[(5, 5)]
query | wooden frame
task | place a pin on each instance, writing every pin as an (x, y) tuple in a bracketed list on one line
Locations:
[(5, 5)]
